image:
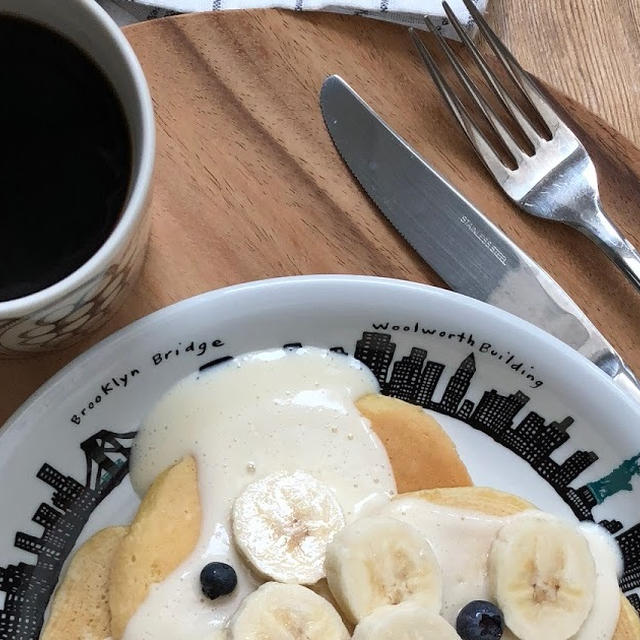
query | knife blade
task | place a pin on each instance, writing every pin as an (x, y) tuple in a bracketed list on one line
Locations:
[(451, 235)]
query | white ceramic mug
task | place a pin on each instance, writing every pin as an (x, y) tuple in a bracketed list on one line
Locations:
[(64, 312)]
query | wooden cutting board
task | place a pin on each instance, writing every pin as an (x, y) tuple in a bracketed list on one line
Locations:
[(249, 185)]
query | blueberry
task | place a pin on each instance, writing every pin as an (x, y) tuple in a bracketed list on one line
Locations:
[(480, 620), (218, 579)]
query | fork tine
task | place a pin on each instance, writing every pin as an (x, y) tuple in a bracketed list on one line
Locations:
[(499, 129), (482, 146), (529, 88), (517, 114)]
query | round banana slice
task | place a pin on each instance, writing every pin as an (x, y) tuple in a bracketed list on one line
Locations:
[(283, 524), (286, 612), (406, 621), (378, 561), (543, 577)]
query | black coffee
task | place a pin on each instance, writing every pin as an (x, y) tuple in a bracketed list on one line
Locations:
[(65, 157)]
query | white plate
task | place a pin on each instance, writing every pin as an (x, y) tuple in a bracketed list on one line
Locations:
[(528, 414)]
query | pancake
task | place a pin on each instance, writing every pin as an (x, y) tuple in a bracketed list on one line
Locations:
[(79, 610), (421, 453), (163, 533)]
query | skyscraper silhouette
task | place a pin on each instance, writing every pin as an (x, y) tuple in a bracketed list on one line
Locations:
[(629, 542), (551, 437), (574, 465), (406, 376), (612, 526), (465, 410), (495, 412), (581, 501), (67, 489), (530, 427), (376, 351), (429, 382), (458, 386)]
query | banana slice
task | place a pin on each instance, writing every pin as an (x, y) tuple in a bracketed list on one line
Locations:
[(286, 612), (283, 524), (378, 561), (406, 621), (543, 577)]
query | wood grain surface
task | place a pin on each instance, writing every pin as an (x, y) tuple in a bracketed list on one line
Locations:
[(588, 49), (249, 186)]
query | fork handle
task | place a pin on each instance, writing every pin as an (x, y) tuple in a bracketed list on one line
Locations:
[(608, 237)]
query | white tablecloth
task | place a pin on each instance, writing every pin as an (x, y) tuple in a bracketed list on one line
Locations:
[(406, 12)]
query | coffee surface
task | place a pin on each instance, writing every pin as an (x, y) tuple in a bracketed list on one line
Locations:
[(65, 157)]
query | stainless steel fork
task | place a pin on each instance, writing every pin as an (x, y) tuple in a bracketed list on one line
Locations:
[(557, 179)]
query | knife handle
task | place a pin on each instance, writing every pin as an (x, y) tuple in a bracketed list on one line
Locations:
[(626, 381), (612, 364)]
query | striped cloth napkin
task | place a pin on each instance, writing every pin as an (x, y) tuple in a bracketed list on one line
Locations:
[(405, 12)]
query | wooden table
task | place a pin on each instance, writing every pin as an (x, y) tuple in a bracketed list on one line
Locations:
[(594, 57), (589, 49)]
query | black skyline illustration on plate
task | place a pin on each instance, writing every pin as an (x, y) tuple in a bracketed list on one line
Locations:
[(28, 587), (413, 378)]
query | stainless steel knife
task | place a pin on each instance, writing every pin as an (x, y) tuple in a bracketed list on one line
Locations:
[(470, 253)]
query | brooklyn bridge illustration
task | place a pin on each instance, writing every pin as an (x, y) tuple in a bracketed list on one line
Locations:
[(414, 378), (28, 587)]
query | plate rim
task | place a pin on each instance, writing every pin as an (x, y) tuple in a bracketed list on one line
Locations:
[(7, 430)]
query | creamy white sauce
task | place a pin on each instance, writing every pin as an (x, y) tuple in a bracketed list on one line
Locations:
[(461, 540), (603, 617), (258, 414), (276, 411)]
